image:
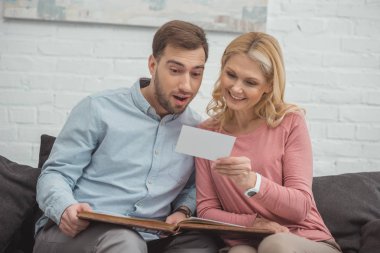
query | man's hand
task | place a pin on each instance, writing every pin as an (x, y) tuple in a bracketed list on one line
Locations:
[(70, 224), (175, 217), (267, 224)]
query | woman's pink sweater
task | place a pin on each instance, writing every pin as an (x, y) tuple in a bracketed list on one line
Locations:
[(283, 157)]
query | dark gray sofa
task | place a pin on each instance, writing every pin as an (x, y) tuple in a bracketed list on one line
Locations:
[(348, 203), (350, 206)]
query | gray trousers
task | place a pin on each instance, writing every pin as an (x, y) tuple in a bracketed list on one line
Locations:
[(102, 238), (286, 243)]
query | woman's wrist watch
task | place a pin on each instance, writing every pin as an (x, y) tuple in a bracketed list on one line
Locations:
[(252, 191)]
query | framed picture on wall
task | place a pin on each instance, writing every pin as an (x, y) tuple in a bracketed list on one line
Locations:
[(218, 15)]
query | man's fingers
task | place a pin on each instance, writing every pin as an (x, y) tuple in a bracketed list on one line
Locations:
[(84, 207), (82, 225), (77, 224), (67, 230), (70, 224), (73, 229)]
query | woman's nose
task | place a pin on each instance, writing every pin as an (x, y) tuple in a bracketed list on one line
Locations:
[(236, 87)]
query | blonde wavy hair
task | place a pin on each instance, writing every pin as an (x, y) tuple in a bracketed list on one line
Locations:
[(266, 51)]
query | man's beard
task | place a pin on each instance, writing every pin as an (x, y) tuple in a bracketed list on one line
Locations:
[(163, 100)]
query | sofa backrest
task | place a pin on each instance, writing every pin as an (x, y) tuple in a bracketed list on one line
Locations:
[(19, 210), (350, 206)]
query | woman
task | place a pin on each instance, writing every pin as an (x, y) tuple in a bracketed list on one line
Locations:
[(266, 182)]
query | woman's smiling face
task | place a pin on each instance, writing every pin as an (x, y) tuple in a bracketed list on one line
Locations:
[(242, 83)]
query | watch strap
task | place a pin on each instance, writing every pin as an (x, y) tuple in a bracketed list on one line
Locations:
[(252, 191), (185, 210)]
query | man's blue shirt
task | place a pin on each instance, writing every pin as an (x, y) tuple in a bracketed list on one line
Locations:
[(116, 154)]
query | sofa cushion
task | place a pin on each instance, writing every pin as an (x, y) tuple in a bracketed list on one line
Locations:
[(347, 202), (47, 142), (22, 238), (370, 241), (17, 187)]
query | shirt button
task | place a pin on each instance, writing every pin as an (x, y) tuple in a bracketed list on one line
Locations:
[(149, 182), (156, 152)]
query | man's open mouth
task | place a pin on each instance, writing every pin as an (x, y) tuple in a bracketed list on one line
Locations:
[(181, 97)]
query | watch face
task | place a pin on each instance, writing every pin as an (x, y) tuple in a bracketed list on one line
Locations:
[(251, 193)]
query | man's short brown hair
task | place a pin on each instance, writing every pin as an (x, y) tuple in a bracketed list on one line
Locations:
[(179, 34)]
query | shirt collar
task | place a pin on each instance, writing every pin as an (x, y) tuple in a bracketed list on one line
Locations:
[(138, 97), (141, 103)]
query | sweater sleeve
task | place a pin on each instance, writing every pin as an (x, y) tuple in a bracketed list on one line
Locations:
[(291, 201)]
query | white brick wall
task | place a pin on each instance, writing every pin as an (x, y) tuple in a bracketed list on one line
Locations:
[(332, 56)]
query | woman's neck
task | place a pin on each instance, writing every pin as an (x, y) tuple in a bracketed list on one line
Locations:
[(243, 123)]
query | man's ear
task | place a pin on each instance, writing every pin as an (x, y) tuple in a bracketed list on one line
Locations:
[(152, 64)]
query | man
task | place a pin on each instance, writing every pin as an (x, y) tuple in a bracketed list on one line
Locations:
[(116, 154)]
